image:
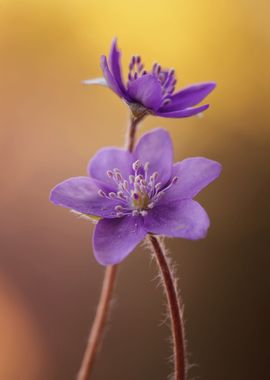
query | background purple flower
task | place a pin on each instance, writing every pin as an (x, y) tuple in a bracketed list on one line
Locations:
[(151, 91), (139, 193)]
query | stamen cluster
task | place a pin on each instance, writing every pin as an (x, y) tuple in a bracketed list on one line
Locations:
[(165, 77), (139, 193)]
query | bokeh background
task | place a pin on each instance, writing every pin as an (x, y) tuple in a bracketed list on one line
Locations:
[(51, 125)]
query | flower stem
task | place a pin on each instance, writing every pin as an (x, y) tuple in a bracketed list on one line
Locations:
[(99, 323), (103, 308), (131, 133), (169, 284)]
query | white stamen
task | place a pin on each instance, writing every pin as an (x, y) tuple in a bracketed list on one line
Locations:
[(136, 165), (121, 195), (101, 193), (125, 184), (118, 176), (146, 166), (154, 176)]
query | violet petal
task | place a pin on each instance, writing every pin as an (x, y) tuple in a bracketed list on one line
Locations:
[(108, 159), (184, 112), (114, 61), (81, 194), (109, 77), (185, 219), (193, 175), (115, 238), (189, 96), (156, 148), (147, 91)]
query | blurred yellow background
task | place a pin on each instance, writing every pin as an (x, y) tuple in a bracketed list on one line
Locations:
[(51, 125)]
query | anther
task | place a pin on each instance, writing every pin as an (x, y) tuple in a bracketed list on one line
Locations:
[(112, 195), (146, 166), (125, 184), (131, 178), (135, 213), (154, 176), (118, 208), (109, 173), (136, 165), (101, 193), (121, 195), (120, 214), (166, 102), (118, 176)]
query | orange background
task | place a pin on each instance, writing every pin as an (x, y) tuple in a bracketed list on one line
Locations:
[(51, 125)]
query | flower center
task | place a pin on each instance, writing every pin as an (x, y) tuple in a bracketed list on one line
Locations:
[(165, 77), (139, 193)]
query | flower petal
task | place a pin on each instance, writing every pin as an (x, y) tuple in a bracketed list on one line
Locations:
[(156, 148), (189, 96), (147, 91), (109, 77), (114, 61), (185, 219), (183, 113), (81, 194), (193, 175), (99, 81), (107, 159), (115, 238)]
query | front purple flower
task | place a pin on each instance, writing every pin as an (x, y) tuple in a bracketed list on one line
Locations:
[(138, 193), (151, 91)]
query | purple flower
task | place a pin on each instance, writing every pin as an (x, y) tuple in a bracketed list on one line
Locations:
[(133, 194), (151, 91)]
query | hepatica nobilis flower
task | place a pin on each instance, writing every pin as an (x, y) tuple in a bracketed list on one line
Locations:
[(133, 194), (151, 92)]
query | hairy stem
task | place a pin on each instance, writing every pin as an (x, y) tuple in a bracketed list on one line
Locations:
[(99, 323), (169, 284), (131, 133)]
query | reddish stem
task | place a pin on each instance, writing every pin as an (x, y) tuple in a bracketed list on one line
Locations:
[(99, 323), (169, 284)]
